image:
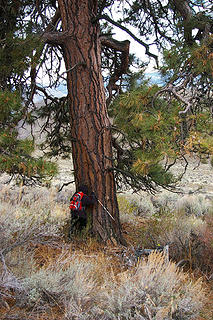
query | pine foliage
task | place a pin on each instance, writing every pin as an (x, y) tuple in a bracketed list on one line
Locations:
[(16, 157), (191, 69), (150, 133), (17, 58)]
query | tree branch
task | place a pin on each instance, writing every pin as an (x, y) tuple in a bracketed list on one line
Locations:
[(145, 45), (49, 97), (172, 90), (49, 35), (54, 21), (183, 8), (55, 38), (33, 73), (65, 184), (123, 47)]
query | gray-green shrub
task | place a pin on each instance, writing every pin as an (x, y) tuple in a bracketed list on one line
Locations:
[(157, 289), (70, 283)]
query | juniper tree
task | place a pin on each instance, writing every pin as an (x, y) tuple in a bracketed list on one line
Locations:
[(73, 41)]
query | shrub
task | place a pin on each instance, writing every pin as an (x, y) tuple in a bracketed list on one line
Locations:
[(192, 205), (127, 209), (33, 196), (9, 283), (127, 205), (9, 286), (189, 238), (156, 290), (145, 207), (189, 204), (134, 206), (19, 225), (164, 200), (70, 283), (206, 247)]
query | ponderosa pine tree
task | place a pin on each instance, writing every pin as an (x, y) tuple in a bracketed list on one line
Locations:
[(71, 29)]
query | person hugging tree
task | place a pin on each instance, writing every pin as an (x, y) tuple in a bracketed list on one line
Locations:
[(79, 202)]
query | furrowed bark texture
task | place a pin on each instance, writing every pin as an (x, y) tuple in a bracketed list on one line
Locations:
[(90, 125)]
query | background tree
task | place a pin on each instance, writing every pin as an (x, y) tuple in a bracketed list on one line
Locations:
[(16, 53), (71, 29)]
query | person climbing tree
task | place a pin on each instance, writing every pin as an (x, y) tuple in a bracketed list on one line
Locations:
[(78, 204)]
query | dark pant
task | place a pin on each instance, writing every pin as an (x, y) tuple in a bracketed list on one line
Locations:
[(78, 221)]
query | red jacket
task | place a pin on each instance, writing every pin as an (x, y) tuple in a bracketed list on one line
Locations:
[(79, 209)]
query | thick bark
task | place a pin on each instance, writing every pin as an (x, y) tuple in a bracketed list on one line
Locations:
[(90, 125)]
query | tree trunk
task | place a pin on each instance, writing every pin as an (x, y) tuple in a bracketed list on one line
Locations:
[(90, 125)]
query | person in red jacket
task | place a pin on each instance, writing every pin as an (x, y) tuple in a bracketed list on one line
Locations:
[(78, 204)]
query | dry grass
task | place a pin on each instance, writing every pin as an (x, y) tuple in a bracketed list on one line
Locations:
[(45, 277)]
